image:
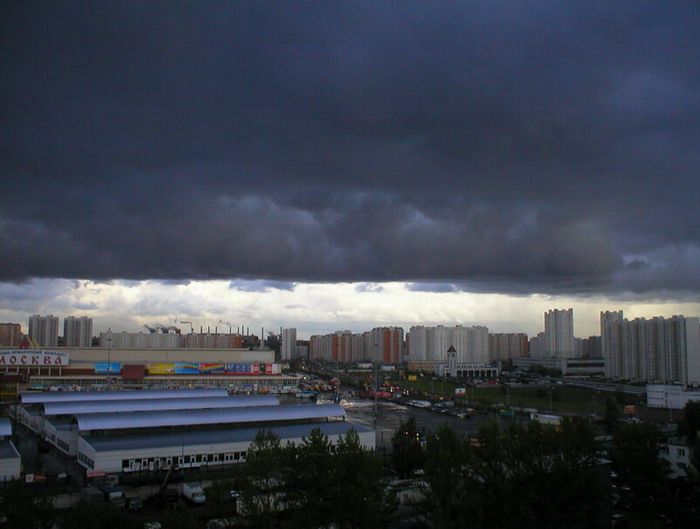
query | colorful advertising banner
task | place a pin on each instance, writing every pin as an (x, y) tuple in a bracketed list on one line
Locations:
[(186, 369), (108, 369), (238, 369), (160, 369), (211, 369)]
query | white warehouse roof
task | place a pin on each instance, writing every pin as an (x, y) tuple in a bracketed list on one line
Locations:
[(119, 443), (155, 419), (32, 397), (114, 406)]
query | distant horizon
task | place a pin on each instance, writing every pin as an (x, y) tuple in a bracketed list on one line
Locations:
[(332, 308)]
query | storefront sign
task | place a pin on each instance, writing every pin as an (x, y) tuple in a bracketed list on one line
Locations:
[(28, 357)]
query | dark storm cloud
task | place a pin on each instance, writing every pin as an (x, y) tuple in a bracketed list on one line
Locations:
[(495, 146)]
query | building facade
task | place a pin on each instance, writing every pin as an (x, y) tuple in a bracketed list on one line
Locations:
[(430, 344), (77, 332), (387, 345), (288, 348), (660, 350), (341, 346), (10, 334), (559, 333), (504, 346), (44, 330)]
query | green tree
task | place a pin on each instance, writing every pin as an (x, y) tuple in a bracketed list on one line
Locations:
[(98, 515), (610, 416), (308, 482), (177, 520), (357, 487), (448, 496), (538, 477), (407, 453), (263, 490), (635, 458), (690, 426), (24, 509), (640, 470)]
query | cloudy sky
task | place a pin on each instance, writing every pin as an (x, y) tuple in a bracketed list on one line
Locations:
[(333, 165)]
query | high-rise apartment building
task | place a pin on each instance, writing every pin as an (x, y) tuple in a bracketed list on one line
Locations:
[(44, 329), (288, 348), (611, 342), (341, 346), (77, 332), (9, 334), (504, 346), (661, 350), (430, 344), (559, 334), (387, 344)]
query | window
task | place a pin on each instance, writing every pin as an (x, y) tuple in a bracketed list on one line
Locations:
[(681, 452)]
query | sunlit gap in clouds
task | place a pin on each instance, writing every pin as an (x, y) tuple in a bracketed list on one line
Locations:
[(313, 308)]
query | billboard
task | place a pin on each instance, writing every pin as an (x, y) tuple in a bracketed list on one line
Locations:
[(160, 369), (104, 368), (185, 368), (238, 369), (212, 369)]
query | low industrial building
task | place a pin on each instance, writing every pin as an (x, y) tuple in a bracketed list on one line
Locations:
[(199, 448), (677, 451), (670, 397), (67, 432), (567, 366), (178, 429), (104, 368), (60, 418)]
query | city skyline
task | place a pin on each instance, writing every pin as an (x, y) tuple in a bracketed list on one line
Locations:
[(131, 307), (345, 166)]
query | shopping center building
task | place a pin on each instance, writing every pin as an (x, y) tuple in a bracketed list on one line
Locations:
[(100, 368)]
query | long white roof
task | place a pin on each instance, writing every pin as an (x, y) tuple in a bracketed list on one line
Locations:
[(155, 419), (33, 397), (114, 406), (219, 436)]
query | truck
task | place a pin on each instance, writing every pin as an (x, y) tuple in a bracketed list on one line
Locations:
[(194, 492), (91, 494)]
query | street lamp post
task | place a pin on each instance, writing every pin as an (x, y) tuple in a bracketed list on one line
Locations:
[(109, 360)]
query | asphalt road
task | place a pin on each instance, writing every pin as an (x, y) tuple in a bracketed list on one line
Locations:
[(390, 415)]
